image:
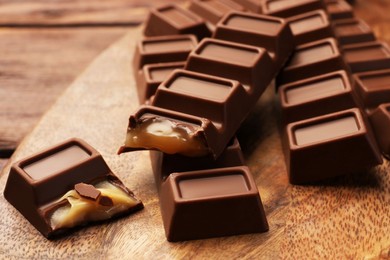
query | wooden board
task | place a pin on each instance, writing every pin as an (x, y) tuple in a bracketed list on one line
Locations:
[(343, 218), (33, 75)]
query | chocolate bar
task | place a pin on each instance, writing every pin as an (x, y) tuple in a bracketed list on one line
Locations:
[(172, 19), (163, 49), (213, 10), (310, 26), (262, 31), (202, 119), (373, 87), (288, 8), (330, 145), (316, 96), (368, 56), (65, 187), (339, 9), (349, 31), (312, 59), (380, 120), (203, 198), (152, 75)]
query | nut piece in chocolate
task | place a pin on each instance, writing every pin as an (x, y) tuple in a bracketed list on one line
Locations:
[(67, 186)]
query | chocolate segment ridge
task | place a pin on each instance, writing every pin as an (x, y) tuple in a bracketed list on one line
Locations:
[(61, 188)]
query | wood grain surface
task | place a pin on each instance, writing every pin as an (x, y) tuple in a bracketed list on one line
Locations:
[(345, 218)]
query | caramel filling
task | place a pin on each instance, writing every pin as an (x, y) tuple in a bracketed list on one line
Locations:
[(81, 209), (167, 136)]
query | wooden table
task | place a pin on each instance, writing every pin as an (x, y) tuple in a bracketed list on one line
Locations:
[(343, 218)]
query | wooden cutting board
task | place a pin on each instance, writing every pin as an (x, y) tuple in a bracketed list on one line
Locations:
[(343, 218)]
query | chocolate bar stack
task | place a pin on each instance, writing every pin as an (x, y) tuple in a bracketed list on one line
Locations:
[(196, 95)]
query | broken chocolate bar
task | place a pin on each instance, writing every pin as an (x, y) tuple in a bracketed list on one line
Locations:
[(330, 145), (65, 187), (203, 197), (316, 96), (380, 120), (172, 19)]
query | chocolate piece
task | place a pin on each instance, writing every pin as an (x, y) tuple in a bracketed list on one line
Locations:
[(172, 19), (327, 146), (204, 116), (316, 96), (380, 120), (233, 61), (349, 31), (310, 26), (254, 6), (163, 49), (339, 9), (373, 88), (209, 203), (41, 188), (213, 10), (288, 8), (368, 56), (312, 59), (152, 75), (263, 31), (87, 191)]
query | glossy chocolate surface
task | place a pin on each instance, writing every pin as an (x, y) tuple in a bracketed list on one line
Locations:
[(368, 56), (327, 146), (380, 121), (36, 184), (288, 8), (172, 19), (312, 59), (163, 49), (373, 88), (262, 31), (350, 31), (316, 96), (310, 26)]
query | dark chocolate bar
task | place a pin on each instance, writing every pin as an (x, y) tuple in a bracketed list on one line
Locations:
[(213, 10), (310, 26), (330, 145), (349, 31), (339, 9), (312, 59), (373, 87), (262, 31), (203, 197), (368, 56), (316, 96), (380, 120), (172, 19), (65, 187), (163, 49), (152, 75), (288, 8)]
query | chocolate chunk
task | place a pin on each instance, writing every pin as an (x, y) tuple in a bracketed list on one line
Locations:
[(172, 19), (106, 201), (87, 190), (41, 186), (288, 8), (339, 9), (349, 31), (213, 10), (380, 120), (253, 6)]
